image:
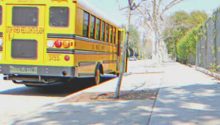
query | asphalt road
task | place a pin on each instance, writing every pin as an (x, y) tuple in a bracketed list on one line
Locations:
[(19, 100)]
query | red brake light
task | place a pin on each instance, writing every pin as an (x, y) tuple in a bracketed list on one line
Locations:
[(58, 43), (67, 58)]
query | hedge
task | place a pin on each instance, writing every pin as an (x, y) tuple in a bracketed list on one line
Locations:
[(186, 47)]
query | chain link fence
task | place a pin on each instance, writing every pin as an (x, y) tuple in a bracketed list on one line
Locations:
[(208, 48)]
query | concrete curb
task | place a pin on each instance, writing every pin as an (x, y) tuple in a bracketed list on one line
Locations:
[(212, 74), (93, 87), (83, 91)]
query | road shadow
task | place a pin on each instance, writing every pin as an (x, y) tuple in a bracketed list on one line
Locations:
[(195, 104), (98, 113), (60, 90)]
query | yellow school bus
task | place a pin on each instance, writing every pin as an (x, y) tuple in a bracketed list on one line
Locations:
[(44, 41)]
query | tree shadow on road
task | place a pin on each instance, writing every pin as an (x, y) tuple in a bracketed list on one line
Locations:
[(196, 104), (98, 113)]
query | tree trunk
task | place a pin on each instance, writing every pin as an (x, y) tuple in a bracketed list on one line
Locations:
[(123, 63), (160, 53)]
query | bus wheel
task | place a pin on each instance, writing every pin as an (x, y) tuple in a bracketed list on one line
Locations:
[(97, 76)]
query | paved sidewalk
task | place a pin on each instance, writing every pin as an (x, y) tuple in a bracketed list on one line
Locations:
[(122, 112), (186, 97)]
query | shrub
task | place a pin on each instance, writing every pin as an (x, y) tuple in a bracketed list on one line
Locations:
[(186, 47)]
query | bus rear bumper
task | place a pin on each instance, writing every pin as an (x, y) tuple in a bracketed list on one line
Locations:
[(43, 71)]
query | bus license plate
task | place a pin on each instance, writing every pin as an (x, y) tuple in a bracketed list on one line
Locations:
[(23, 70)]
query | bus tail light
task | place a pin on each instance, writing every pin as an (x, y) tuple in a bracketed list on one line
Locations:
[(66, 44), (67, 58), (58, 43), (1, 44), (50, 43)]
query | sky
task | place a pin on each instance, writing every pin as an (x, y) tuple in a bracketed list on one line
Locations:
[(111, 7), (207, 5)]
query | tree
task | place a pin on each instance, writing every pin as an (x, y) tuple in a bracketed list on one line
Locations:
[(131, 7), (198, 17), (134, 40), (178, 25), (151, 15), (186, 46)]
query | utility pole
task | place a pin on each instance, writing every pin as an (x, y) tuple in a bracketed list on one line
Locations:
[(132, 6)]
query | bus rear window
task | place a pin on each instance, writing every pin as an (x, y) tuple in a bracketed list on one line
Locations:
[(25, 16), (0, 15), (59, 16)]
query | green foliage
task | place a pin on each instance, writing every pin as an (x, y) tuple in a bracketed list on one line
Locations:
[(180, 18), (198, 17), (186, 47), (134, 39), (214, 67), (181, 23)]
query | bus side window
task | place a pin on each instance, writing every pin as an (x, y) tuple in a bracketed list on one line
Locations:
[(98, 27), (103, 31), (114, 35), (85, 24), (111, 36), (0, 15), (116, 42), (119, 43), (92, 27), (106, 33)]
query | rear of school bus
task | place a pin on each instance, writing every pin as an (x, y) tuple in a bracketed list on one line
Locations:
[(36, 40)]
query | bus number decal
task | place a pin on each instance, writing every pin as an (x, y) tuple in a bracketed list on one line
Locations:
[(54, 58)]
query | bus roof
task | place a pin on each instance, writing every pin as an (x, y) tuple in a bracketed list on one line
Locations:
[(94, 10)]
